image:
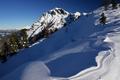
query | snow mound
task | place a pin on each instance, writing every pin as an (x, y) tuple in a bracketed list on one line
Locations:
[(30, 71)]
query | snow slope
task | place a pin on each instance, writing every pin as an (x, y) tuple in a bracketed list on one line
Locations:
[(83, 36), (108, 61)]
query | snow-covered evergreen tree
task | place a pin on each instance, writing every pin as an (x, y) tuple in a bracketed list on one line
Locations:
[(103, 19)]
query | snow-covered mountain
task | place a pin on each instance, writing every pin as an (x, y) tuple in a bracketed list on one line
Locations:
[(61, 53), (53, 19)]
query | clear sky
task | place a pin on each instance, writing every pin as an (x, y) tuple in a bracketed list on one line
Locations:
[(20, 13)]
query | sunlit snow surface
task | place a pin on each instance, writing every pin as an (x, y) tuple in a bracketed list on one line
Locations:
[(30, 71), (72, 40), (108, 61)]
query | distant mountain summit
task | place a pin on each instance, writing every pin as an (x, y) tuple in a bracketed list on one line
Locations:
[(52, 20)]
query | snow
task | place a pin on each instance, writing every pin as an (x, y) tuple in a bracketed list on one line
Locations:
[(85, 13), (30, 71), (113, 16), (114, 68), (31, 63), (109, 65), (61, 53), (107, 39), (77, 14)]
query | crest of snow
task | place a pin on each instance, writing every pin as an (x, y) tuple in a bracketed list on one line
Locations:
[(77, 14), (107, 39), (85, 14)]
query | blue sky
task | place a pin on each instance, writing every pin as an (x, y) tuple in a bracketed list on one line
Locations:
[(20, 13)]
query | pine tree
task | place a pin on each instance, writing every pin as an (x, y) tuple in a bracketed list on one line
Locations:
[(114, 4), (13, 43), (24, 38), (106, 3), (45, 32), (5, 51), (102, 19)]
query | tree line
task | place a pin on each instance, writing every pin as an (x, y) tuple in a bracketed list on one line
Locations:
[(11, 44)]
